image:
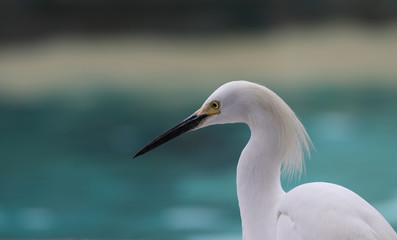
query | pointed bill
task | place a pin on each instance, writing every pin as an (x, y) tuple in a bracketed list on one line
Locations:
[(186, 125)]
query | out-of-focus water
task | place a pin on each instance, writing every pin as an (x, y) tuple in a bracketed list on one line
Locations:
[(66, 168)]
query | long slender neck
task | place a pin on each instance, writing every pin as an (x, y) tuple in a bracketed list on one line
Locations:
[(258, 180)]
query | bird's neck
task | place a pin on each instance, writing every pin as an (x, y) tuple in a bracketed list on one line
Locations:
[(258, 180)]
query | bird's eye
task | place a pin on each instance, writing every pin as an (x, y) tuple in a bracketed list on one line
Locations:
[(215, 104)]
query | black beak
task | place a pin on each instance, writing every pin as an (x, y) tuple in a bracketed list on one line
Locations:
[(186, 125)]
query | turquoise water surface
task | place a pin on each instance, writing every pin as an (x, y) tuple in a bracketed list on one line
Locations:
[(67, 170)]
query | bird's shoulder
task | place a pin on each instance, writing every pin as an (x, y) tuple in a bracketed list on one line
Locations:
[(329, 211)]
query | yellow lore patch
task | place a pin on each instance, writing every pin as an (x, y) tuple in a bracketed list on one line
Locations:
[(209, 109)]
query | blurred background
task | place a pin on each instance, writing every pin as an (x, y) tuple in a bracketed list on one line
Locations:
[(85, 84)]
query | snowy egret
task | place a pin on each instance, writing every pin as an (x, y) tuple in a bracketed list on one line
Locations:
[(312, 211)]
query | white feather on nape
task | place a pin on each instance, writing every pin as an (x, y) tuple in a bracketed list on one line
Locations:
[(294, 158), (294, 141)]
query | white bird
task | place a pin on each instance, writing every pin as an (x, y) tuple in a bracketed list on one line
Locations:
[(312, 211)]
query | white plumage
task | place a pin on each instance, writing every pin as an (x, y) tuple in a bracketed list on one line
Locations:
[(328, 211), (311, 211), (314, 211)]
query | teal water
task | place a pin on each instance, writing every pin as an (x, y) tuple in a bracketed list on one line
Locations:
[(66, 168)]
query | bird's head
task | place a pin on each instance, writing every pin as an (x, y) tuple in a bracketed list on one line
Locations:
[(258, 107), (228, 104)]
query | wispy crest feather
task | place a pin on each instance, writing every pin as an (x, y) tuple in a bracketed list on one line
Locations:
[(294, 141)]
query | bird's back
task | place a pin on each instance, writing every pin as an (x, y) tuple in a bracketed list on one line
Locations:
[(324, 211)]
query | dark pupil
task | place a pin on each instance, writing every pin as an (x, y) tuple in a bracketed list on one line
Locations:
[(214, 105)]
